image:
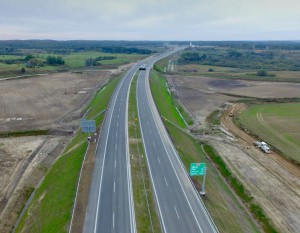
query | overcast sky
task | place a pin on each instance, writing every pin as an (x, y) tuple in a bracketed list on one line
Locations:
[(150, 19)]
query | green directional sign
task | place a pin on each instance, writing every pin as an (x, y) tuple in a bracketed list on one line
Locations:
[(197, 169)]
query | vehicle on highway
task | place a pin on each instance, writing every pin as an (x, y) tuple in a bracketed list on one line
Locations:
[(142, 67)]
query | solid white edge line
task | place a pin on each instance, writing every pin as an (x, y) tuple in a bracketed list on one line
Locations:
[(205, 211), (199, 199), (153, 185), (130, 193), (108, 130), (170, 159)]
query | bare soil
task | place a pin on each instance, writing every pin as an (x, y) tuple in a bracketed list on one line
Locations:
[(55, 102), (23, 162), (42, 102), (202, 95), (273, 181)]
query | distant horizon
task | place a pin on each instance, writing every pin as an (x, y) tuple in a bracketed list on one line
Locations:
[(61, 40), (150, 20)]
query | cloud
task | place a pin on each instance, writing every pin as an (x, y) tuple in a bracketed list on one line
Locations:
[(150, 20)]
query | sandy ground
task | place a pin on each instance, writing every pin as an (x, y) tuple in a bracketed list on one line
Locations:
[(273, 181), (23, 161), (54, 102), (39, 102), (202, 95)]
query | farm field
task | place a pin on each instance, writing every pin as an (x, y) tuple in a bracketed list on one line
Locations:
[(73, 61), (277, 124), (202, 95), (39, 102)]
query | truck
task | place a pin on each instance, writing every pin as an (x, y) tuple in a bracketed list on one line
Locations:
[(263, 146)]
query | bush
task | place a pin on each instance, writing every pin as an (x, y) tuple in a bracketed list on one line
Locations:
[(52, 60), (262, 73)]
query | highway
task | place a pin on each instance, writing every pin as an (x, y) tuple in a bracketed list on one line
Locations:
[(180, 207), (110, 208)]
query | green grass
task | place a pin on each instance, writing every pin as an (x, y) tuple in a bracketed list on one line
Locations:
[(51, 208), (236, 73), (277, 124), (166, 102), (73, 61), (220, 199), (140, 176), (239, 189), (23, 133)]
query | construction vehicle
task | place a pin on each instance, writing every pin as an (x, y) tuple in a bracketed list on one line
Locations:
[(263, 146)]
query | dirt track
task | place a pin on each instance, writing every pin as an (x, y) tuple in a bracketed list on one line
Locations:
[(273, 181), (37, 103)]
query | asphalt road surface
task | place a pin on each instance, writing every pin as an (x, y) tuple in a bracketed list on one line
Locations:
[(180, 207), (110, 208)]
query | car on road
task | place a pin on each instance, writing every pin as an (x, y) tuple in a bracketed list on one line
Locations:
[(143, 67)]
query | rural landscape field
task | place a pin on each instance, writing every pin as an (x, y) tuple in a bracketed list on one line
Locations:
[(214, 102), (235, 102)]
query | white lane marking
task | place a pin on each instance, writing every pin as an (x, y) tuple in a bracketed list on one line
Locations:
[(150, 132), (176, 212), (116, 134), (114, 186), (153, 144), (158, 160), (163, 142), (153, 185), (114, 220), (115, 163), (166, 181), (117, 124), (129, 183), (98, 201), (118, 116)]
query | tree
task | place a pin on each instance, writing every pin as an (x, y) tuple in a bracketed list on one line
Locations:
[(262, 73), (23, 70), (52, 60), (28, 57)]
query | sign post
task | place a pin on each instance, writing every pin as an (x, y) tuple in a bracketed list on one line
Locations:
[(199, 169), (88, 126)]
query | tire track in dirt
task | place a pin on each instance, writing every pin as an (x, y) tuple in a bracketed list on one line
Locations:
[(268, 127)]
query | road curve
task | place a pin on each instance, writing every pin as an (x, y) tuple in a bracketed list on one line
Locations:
[(180, 206)]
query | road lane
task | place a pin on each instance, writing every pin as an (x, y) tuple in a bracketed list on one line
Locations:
[(180, 207), (110, 207)]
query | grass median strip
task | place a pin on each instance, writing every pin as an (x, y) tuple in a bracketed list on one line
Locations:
[(147, 219), (51, 208), (220, 200)]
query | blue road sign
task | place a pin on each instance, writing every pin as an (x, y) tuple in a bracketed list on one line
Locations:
[(88, 126)]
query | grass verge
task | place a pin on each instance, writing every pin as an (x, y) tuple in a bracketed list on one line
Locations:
[(23, 133), (220, 199), (51, 208), (166, 102), (147, 219), (240, 190)]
